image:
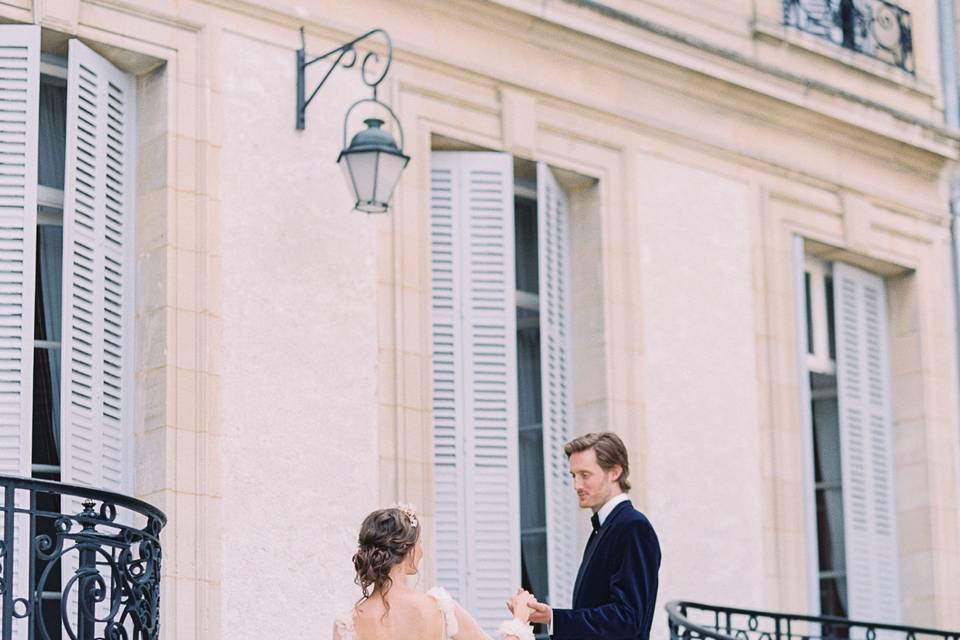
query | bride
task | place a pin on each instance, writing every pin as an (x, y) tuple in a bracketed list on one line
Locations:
[(391, 549)]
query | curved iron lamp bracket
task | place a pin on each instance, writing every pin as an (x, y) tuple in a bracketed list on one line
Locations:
[(345, 55)]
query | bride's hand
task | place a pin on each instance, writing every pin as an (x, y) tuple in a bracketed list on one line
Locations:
[(520, 605)]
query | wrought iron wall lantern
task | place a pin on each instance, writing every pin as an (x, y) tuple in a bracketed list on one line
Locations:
[(373, 161)]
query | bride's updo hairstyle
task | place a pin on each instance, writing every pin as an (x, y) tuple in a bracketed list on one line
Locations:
[(386, 537)]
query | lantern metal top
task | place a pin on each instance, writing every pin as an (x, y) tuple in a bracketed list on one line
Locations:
[(373, 138)]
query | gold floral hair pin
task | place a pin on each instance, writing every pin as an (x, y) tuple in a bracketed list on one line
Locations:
[(408, 509)]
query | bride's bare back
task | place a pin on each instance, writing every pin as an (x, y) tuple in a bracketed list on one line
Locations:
[(412, 616)]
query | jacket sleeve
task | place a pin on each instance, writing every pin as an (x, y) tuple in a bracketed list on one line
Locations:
[(632, 586)]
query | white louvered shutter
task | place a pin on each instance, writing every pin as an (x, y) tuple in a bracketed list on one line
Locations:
[(95, 405), (553, 225), (866, 445), (475, 402), (98, 273), (447, 362), (19, 119)]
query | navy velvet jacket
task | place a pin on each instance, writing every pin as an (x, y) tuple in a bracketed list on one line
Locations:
[(616, 589)]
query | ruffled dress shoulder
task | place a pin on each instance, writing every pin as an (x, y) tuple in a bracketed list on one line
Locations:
[(343, 623), (447, 607)]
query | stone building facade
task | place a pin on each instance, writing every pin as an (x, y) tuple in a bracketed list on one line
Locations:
[(716, 165)]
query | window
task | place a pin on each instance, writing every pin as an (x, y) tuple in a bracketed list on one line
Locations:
[(66, 288), (502, 398), (880, 29), (48, 300), (533, 514), (847, 370)]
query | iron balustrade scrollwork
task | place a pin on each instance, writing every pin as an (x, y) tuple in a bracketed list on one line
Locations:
[(881, 29), (695, 621), (77, 563)]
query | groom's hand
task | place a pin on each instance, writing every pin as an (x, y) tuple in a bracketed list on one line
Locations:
[(541, 613)]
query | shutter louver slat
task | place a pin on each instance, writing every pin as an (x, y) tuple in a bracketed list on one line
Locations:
[(474, 369), (553, 224), (19, 121), (866, 445), (97, 280)]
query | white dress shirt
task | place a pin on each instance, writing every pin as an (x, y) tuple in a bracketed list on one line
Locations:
[(611, 504)]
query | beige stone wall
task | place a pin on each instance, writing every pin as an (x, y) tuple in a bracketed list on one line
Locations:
[(283, 341)]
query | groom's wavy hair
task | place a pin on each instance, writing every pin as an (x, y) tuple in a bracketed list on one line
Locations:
[(610, 452), (386, 537)]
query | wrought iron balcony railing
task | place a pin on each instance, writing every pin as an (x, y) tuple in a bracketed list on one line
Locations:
[(693, 621), (878, 28), (77, 563)]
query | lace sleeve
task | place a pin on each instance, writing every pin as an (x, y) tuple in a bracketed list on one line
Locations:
[(343, 626), (446, 604)]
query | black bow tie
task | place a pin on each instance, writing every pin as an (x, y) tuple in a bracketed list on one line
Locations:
[(595, 521)]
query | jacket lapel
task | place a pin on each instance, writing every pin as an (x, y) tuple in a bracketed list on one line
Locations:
[(592, 548)]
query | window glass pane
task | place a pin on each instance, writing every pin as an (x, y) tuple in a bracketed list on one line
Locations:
[(529, 399), (46, 406), (830, 530), (534, 563), (532, 490), (830, 328), (53, 134), (833, 601), (49, 292), (826, 428), (525, 232), (806, 287), (533, 512), (533, 531)]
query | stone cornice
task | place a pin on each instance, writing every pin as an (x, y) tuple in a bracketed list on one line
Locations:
[(728, 65)]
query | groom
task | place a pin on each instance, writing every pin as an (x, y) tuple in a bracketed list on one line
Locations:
[(616, 588)]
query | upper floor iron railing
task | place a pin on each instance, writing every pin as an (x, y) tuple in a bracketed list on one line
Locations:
[(881, 29), (77, 563), (694, 621)]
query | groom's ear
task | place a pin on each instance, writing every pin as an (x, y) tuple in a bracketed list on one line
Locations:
[(618, 471)]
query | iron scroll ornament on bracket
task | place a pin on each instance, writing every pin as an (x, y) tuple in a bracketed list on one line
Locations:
[(373, 161)]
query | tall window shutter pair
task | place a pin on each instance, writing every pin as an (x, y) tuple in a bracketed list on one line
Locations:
[(866, 441), (475, 380), (96, 349)]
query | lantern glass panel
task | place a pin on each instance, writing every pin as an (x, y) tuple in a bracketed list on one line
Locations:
[(388, 174), (360, 170)]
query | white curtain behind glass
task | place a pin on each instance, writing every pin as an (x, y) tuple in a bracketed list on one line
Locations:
[(50, 245), (52, 142), (826, 424)]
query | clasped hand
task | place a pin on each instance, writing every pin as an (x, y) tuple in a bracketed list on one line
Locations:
[(524, 606)]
